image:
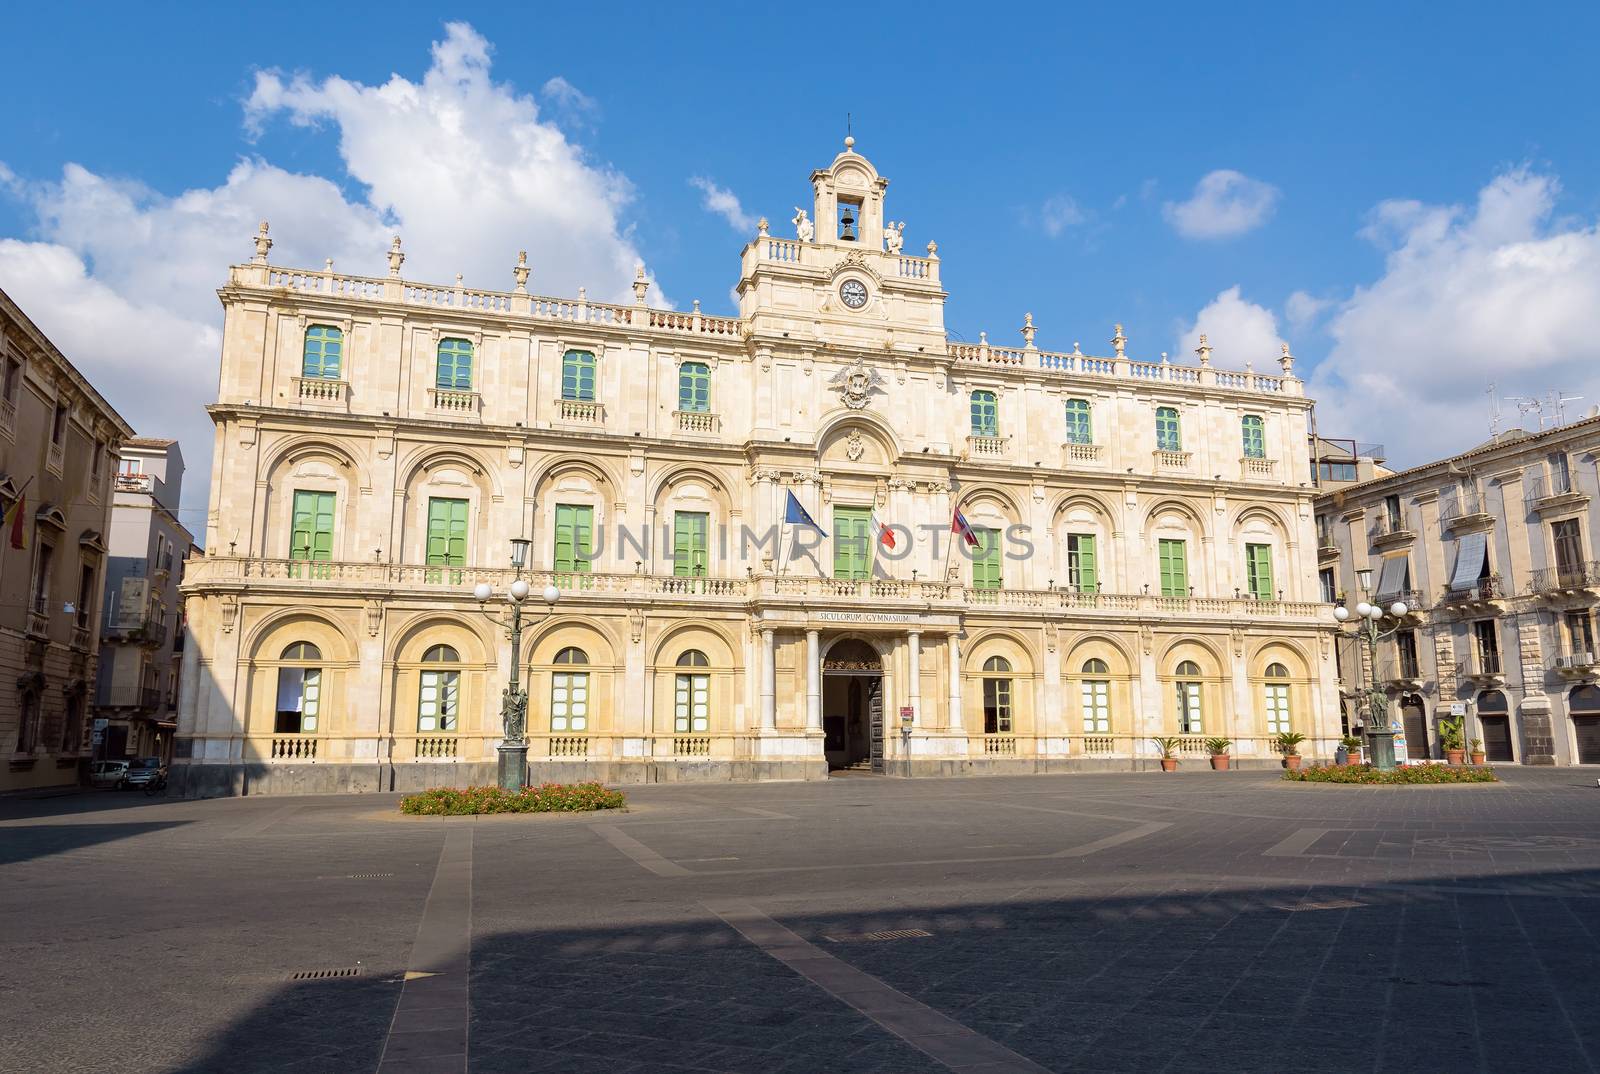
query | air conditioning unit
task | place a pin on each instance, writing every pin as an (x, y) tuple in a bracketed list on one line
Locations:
[(1582, 660), (1564, 662)]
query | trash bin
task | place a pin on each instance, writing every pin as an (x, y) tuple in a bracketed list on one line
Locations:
[(1341, 755)]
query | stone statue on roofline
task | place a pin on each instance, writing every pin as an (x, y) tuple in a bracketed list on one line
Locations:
[(804, 229), (894, 236)]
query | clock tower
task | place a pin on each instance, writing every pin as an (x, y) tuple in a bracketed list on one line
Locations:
[(845, 279)]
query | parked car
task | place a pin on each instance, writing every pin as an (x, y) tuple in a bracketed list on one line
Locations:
[(109, 774), (142, 770)]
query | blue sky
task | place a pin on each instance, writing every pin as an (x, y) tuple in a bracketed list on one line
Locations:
[(1408, 198)]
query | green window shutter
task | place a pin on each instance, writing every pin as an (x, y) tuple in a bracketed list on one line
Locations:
[(1258, 570), (447, 532), (986, 561), (689, 530), (323, 352), (694, 387), (1079, 427), (1081, 570), (1168, 436), (574, 537), (851, 546), (312, 536), (1255, 437), (454, 370), (985, 414), (1174, 569), (577, 376)]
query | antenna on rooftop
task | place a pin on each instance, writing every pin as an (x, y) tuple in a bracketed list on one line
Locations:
[(1494, 412), (1559, 404)]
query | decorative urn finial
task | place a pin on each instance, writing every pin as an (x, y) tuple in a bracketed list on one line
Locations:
[(641, 286), (396, 258), (1028, 330), (263, 244), (1286, 362), (761, 227), (1119, 342), (520, 272), (1204, 351)]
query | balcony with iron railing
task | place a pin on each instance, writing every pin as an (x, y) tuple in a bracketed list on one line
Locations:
[(1576, 664), (1549, 492), (1400, 674), (1488, 588), (1482, 668), (1570, 579), (1391, 532)]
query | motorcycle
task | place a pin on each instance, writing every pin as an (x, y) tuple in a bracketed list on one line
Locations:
[(157, 784)]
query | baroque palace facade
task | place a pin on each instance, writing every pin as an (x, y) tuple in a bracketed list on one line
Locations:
[(1146, 562)]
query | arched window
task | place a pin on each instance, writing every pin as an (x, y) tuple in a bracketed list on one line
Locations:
[(569, 693), (439, 695), (985, 414), (997, 696), (577, 376), (1255, 436), (1168, 437), (694, 387), (1096, 698), (1079, 429), (1191, 720), (1277, 699), (454, 369), (692, 694), (299, 690), (324, 352)]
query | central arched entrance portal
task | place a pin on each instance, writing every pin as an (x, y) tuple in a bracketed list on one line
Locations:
[(852, 706)]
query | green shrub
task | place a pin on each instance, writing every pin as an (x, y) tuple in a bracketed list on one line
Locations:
[(1408, 774), (546, 798)]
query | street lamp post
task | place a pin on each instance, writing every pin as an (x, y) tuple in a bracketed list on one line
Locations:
[(513, 749), (1377, 704)]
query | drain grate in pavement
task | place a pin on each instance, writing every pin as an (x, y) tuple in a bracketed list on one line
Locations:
[(1318, 904), (357, 876), (325, 975), (877, 937)]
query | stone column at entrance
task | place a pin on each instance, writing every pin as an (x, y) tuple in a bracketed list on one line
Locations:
[(914, 682), (813, 681), (954, 647), (769, 681)]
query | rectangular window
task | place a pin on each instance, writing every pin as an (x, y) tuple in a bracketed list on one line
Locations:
[(1336, 471), (1580, 633), (85, 603), (1096, 707), (691, 708), (1488, 647), (1190, 717), (439, 702), (1258, 570), (13, 382), (1392, 513), (694, 387), (447, 536), (299, 698), (569, 701), (986, 559), (41, 578), (577, 376), (1174, 569), (1081, 573), (1330, 585), (1277, 708), (1405, 647), (997, 706), (1569, 548), (574, 537), (1168, 436), (312, 534), (985, 414), (1560, 474), (454, 370), (58, 424), (852, 546), (1079, 430), (689, 530), (1255, 437)]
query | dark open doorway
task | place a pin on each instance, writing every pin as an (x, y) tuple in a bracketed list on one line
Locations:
[(852, 707)]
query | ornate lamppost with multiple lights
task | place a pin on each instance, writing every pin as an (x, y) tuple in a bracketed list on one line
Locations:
[(1376, 714), (513, 749)]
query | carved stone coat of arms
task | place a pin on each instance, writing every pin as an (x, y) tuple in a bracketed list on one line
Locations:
[(856, 383)]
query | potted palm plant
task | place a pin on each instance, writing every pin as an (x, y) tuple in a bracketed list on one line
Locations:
[(1352, 749), (1450, 740), (1168, 745), (1288, 744), (1218, 748), (1475, 751)]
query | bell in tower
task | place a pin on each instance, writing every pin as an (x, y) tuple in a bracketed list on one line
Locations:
[(847, 222)]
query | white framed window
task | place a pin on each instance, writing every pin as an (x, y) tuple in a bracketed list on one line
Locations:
[(439, 692), (569, 693), (692, 694), (1096, 698), (1277, 690)]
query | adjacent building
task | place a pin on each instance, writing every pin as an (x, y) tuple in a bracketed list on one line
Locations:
[(1494, 550), (142, 635), (1141, 561), (58, 443)]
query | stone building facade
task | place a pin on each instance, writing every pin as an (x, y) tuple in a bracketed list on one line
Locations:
[(142, 639), (58, 445), (1145, 562), (1494, 551)]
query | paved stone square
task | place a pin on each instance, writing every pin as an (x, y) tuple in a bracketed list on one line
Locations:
[(1191, 922)]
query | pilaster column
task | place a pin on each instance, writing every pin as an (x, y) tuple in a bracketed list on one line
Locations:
[(914, 682), (813, 681), (953, 645), (769, 681)]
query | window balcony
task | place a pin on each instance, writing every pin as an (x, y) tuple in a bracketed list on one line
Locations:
[(584, 412), (1081, 454), (1553, 492), (1258, 468), (1483, 670), (1576, 665), (454, 402), (301, 748), (696, 421), (1566, 581), (321, 390), (1487, 590), (1173, 460), (988, 447), (1387, 533), (1460, 514), (54, 459), (8, 415)]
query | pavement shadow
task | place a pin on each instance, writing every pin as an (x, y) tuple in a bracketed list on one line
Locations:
[(24, 842), (1484, 972)]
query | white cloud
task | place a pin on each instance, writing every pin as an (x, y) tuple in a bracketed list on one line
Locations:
[(1225, 203), (723, 202), (1058, 214), (1498, 292), (1239, 332), (467, 170), (576, 106), (1301, 310)]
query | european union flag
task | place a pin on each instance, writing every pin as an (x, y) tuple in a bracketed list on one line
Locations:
[(793, 513)]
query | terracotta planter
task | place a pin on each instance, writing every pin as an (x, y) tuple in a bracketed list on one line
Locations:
[(1219, 762), (1291, 761), (1169, 764), (1454, 757), (1479, 758)]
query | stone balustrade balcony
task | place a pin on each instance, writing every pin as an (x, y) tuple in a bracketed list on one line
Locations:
[(696, 421), (454, 402)]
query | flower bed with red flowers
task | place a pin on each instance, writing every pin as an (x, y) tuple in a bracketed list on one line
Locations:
[(545, 798), (1411, 774)]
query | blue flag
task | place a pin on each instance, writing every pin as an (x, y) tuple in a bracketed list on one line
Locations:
[(794, 513)]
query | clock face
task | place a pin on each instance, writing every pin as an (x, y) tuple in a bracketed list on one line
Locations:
[(853, 293)]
